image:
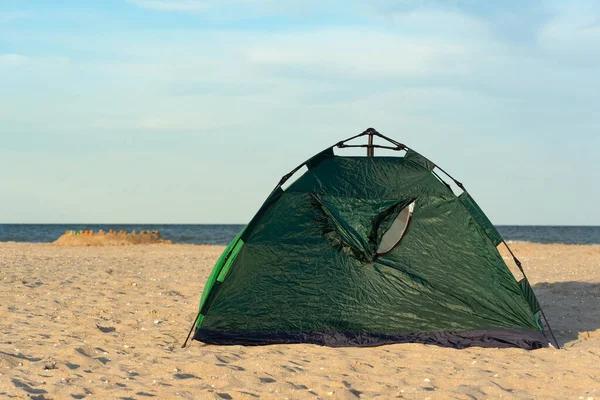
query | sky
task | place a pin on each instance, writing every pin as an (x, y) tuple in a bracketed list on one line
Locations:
[(190, 111)]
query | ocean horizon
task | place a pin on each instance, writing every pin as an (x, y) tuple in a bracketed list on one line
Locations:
[(222, 234)]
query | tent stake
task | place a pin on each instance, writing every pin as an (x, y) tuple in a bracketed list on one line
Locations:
[(191, 329), (549, 328)]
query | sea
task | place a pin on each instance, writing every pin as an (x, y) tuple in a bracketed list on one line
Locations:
[(223, 234)]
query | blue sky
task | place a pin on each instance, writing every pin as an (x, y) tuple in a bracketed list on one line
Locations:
[(190, 111)]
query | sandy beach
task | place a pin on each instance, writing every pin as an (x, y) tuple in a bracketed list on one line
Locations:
[(108, 322)]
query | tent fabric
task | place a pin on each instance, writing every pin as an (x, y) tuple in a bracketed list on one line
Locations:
[(215, 275), (460, 340), (308, 271), (529, 295), (482, 219), (414, 157)]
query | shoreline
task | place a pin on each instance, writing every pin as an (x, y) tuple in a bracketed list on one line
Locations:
[(510, 242)]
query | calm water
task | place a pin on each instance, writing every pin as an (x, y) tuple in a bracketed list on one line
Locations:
[(195, 234), (551, 234), (222, 234)]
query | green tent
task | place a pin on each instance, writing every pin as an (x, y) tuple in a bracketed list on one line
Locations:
[(363, 251)]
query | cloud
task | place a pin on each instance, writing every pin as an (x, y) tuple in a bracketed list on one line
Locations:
[(357, 53), (572, 37), (171, 5), (437, 23), (12, 60), (184, 121), (10, 16), (232, 10)]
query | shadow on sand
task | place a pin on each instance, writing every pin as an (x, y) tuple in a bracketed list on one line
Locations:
[(572, 308)]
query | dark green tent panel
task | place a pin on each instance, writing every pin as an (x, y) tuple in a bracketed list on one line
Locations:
[(307, 268)]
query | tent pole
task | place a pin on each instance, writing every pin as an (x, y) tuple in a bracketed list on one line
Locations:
[(370, 149)]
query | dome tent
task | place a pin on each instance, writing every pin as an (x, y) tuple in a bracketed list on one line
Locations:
[(364, 251)]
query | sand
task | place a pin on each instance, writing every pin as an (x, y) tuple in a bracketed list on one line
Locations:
[(108, 322)]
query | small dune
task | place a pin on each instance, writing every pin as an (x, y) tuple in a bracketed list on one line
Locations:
[(111, 238)]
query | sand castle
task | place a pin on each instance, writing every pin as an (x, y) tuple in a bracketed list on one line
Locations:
[(110, 238)]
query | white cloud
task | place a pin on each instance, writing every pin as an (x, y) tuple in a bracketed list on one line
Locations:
[(357, 52), (572, 38), (171, 5), (231, 10), (12, 60), (21, 63), (10, 16), (183, 121), (446, 24)]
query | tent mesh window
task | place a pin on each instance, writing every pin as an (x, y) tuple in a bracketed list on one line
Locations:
[(392, 237)]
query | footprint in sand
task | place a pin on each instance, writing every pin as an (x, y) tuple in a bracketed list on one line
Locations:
[(32, 285), (106, 329), (293, 370), (27, 387), (251, 394), (9, 358), (185, 376), (298, 387), (355, 392), (233, 367), (145, 394)]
